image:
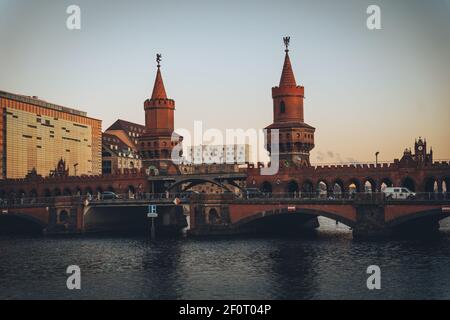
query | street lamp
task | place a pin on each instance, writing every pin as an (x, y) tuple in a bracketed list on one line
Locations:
[(376, 158), (75, 168)]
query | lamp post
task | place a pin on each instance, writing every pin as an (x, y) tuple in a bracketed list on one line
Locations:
[(376, 158), (75, 168)]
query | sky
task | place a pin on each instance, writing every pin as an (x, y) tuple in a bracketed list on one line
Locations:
[(366, 90)]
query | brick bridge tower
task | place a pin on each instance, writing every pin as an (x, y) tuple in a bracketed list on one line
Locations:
[(296, 138), (158, 141)]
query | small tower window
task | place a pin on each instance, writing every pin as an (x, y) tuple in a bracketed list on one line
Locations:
[(282, 107)]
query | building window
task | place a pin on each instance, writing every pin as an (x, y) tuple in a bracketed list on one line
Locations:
[(282, 107), (106, 167)]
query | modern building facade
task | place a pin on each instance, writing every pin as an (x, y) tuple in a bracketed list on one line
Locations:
[(35, 134)]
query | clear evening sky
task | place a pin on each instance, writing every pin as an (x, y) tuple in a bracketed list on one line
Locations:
[(365, 90)]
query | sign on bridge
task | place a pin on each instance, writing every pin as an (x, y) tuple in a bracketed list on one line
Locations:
[(152, 211)]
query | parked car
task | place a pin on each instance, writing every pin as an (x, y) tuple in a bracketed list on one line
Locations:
[(252, 193), (109, 195), (399, 193)]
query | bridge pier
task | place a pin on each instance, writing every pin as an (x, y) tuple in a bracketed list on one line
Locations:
[(370, 222)]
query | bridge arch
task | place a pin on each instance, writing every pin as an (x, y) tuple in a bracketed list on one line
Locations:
[(433, 213), (285, 211), (20, 224)]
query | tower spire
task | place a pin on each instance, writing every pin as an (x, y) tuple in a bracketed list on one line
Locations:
[(159, 92), (287, 75)]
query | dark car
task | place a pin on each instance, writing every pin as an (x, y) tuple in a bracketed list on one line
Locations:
[(109, 195)]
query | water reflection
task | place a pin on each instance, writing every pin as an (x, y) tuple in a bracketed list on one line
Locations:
[(328, 266)]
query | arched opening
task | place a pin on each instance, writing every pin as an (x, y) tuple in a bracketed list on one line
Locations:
[(56, 192), (88, 191), (431, 185), (33, 194), (338, 188), (67, 192), (409, 184), (131, 192), (322, 189), (445, 186), (110, 189), (307, 188), (292, 187), (386, 183), (370, 186), (213, 216), (47, 193), (78, 191), (64, 217), (353, 186), (266, 187)]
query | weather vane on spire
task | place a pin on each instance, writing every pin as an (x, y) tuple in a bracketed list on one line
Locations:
[(286, 41), (158, 59)]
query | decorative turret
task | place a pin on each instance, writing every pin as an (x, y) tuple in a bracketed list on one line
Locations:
[(296, 137), (156, 144)]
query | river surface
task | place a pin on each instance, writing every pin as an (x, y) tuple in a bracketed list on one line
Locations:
[(328, 266)]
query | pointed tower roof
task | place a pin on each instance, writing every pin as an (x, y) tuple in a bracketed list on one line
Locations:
[(159, 92), (287, 76)]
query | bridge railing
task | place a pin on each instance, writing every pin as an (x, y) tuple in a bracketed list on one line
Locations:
[(26, 202), (188, 196), (359, 196)]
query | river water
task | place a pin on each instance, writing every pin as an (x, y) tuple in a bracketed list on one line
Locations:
[(328, 266)]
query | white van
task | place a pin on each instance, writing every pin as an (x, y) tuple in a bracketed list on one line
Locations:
[(399, 193)]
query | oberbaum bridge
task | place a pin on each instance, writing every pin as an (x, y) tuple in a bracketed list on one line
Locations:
[(288, 202)]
